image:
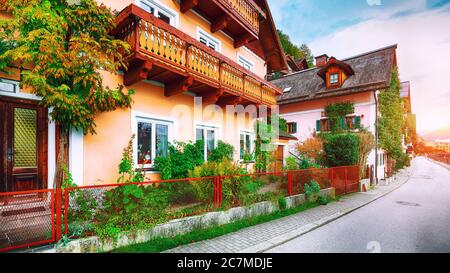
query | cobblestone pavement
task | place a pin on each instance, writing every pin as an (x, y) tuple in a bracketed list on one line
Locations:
[(267, 235)]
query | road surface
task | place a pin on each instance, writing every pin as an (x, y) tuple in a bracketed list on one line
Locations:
[(413, 218)]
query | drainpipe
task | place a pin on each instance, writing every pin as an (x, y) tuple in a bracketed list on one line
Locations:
[(376, 136)]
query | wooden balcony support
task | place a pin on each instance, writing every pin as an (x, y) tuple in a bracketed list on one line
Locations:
[(138, 72), (187, 5), (243, 40), (213, 98), (230, 100), (178, 87), (220, 23)]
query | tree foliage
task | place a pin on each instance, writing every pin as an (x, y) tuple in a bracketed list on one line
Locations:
[(63, 47), (391, 121), (298, 52)]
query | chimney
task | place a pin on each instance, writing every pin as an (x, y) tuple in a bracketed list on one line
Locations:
[(321, 60)]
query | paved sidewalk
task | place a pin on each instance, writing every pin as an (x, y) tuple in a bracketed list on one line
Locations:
[(265, 236)]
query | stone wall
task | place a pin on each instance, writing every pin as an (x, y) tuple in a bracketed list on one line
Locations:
[(181, 226)]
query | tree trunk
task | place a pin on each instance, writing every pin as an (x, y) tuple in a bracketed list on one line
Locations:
[(62, 161)]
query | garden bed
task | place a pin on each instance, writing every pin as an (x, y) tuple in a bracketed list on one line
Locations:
[(181, 226)]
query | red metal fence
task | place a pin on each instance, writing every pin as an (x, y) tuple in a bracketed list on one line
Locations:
[(345, 179), (26, 219), (44, 216)]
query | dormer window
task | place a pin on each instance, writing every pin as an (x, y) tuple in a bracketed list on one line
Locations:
[(334, 78), (335, 73)]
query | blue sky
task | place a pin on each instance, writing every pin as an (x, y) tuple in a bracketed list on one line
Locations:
[(344, 28), (306, 20)]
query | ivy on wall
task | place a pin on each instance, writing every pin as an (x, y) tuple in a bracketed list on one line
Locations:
[(391, 122), (336, 114)]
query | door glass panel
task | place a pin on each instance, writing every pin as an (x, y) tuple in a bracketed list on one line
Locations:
[(25, 135)]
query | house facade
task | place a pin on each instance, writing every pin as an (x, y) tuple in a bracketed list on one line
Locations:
[(198, 70), (358, 79), (410, 133)]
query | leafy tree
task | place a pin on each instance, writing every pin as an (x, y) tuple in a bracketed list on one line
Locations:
[(63, 46), (298, 52)]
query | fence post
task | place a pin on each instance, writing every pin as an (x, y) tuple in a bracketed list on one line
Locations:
[(58, 207), (217, 191), (66, 211), (331, 178), (219, 181), (289, 183)]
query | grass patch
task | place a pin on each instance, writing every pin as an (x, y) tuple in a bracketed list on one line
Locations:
[(162, 244)]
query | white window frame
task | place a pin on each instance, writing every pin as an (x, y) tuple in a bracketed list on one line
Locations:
[(210, 39), (337, 78), (17, 92), (160, 7), (242, 61), (14, 83), (205, 128), (252, 141), (154, 120)]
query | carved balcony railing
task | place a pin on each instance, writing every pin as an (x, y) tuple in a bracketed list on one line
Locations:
[(246, 10), (163, 53), (238, 18)]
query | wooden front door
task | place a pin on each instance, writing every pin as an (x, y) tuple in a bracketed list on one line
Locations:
[(279, 159), (23, 149)]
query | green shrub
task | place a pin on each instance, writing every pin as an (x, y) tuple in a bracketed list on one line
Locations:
[(291, 164), (306, 163), (131, 207), (231, 187), (182, 158), (341, 149), (312, 189), (323, 200), (282, 203), (221, 152)]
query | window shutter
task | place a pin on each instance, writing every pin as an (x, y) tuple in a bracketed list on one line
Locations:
[(294, 129), (358, 122), (318, 125), (342, 120)]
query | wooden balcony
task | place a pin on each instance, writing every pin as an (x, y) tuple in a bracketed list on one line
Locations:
[(238, 18), (162, 53)]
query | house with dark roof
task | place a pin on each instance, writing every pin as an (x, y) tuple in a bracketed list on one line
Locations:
[(358, 79), (410, 133)]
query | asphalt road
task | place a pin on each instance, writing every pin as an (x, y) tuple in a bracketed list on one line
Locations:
[(413, 218)]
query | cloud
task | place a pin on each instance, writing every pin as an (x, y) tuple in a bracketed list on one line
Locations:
[(423, 42)]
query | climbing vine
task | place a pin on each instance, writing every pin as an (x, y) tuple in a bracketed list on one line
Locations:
[(391, 122), (336, 112)]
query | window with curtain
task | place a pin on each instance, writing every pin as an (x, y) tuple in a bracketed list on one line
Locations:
[(152, 140)]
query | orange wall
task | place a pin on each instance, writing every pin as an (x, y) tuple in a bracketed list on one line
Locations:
[(102, 152)]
